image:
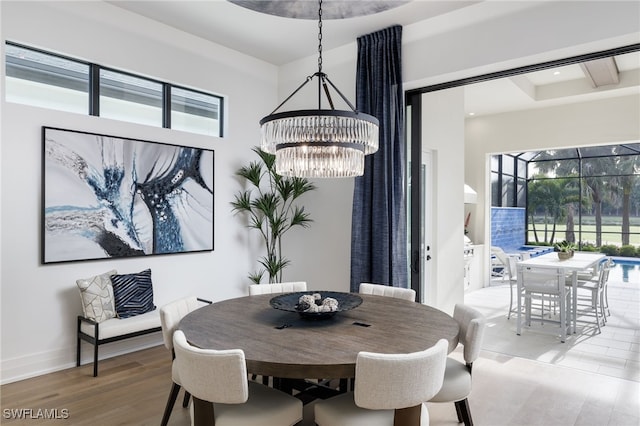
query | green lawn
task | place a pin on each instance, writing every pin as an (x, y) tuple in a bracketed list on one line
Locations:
[(611, 227)]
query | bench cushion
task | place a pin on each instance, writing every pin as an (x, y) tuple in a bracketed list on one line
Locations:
[(120, 326)]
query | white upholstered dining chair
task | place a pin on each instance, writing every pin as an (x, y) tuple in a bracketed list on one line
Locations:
[(170, 316), (457, 376), (385, 385), (286, 287), (388, 291), (220, 377)]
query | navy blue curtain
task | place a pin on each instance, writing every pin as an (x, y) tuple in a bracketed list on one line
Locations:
[(378, 230)]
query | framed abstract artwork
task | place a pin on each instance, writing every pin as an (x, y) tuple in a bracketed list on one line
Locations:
[(110, 197)]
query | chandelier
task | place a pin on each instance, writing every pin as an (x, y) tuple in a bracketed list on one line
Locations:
[(319, 143)]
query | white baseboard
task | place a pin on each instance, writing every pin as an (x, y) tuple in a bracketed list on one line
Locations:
[(33, 365)]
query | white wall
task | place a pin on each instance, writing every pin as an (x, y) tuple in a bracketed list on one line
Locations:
[(443, 134), (39, 303), (598, 122)]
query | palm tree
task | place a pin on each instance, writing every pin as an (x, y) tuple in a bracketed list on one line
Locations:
[(624, 183), (535, 201), (594, 170), (548, 195)]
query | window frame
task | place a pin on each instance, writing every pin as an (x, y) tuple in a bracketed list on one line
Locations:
[(93, 107)]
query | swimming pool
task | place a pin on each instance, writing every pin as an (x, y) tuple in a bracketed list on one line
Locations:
[(626, 269)]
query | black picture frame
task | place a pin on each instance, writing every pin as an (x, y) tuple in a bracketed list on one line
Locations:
[(107, 196)]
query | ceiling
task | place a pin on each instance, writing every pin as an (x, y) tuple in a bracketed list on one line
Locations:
[(280, 40)]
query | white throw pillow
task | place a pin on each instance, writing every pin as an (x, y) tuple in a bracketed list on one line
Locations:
[(97, 296)]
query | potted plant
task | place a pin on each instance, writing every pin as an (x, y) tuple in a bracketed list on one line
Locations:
[(271, 204), (565, 249)]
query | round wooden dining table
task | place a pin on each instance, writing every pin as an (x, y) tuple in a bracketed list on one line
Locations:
[(283, 344)]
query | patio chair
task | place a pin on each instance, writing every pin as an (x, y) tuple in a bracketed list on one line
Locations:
[(504, 266), (544, 284), (597, 288)]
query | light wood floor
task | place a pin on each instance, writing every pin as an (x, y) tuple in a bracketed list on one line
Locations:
[(507, 391), (131, 389)]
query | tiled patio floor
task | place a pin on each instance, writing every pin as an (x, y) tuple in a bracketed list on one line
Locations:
[(614, 352)]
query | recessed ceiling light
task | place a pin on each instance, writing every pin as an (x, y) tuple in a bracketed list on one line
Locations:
[(472, 113), (556, 73)]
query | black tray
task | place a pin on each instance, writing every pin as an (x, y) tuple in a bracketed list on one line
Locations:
[(289, 301)]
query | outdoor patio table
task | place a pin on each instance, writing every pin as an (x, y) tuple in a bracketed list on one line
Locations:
[(580, 261), (285, 345)]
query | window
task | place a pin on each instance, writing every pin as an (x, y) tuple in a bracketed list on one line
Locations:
[(44, 80), (195, 112), (128, 98), (587, 195), (508, 187), (48, 80)]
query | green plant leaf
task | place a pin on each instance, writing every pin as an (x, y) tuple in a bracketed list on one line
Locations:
[(266, 203), (277, 223), (285, 188), (301, 186), (242, 202), (253, 173), (273, 266), (256, 222), (300, 218), (256, 277), (269, 160)]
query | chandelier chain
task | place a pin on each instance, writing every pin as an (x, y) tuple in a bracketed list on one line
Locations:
[(320, 36)]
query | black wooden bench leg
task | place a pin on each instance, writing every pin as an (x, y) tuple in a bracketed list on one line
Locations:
[(96, 341), (78, 345), (95, 359)]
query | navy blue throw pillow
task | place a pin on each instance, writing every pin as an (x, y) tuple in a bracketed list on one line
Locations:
[(133, 293)]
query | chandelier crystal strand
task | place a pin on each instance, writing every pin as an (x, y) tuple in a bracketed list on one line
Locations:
[(322, 143)]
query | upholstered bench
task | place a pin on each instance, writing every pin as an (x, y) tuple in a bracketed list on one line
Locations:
[(113, 330), (115, 307)]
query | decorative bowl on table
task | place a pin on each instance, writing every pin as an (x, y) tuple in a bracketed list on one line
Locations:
[(316, 304)]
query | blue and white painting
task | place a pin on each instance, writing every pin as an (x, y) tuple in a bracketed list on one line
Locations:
[(107, 197)]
